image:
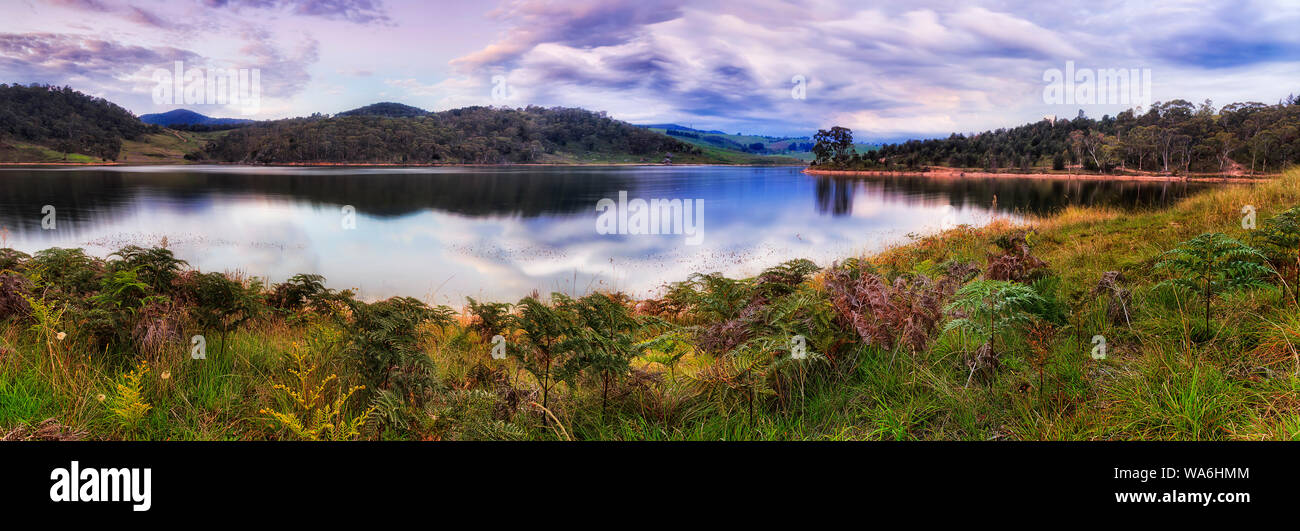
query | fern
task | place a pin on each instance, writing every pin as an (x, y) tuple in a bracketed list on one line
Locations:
[(48, 320), (311, 415), (128, 405), (490, 318), (1279, 239), (988, 309), (1211, 264), (542, 327)]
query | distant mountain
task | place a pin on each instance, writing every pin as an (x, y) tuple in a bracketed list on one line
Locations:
[(186, 117), (677, 127), (386, 109)]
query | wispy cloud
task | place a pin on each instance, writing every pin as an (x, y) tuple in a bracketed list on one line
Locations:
[(888, 70)]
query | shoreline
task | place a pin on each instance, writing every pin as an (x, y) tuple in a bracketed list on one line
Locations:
[(393, 165), (949, 173)]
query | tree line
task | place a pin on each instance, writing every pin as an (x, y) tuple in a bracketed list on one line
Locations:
[(1176, 137)]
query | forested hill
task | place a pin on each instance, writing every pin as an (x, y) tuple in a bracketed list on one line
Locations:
[(386, 108), (1174, 137), (65, 120), (472, 135)]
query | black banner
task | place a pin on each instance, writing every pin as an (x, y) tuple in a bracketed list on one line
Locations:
[(316, 481)]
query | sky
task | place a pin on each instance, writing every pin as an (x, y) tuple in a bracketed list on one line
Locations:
[(887, 70)]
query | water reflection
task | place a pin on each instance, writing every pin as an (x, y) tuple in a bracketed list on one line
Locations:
[(1012, 196), (500, 233)]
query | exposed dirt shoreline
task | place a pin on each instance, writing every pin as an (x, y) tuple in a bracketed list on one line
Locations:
[(393, 165), (951, 173)]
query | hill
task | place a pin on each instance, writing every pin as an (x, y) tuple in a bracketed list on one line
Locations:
[(48, 123), (472, 135), (386, 108), (678, 127), (186, 117), (1175, 137), (45, 124)]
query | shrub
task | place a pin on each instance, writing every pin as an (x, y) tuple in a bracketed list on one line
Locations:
[(605, 344), (14, 290), (297, 292), (113, 315), (884, 313), (158, 323), (542, 329), (13, 259), (779, 281), (489, 319), (1016, 263), (69, 271)]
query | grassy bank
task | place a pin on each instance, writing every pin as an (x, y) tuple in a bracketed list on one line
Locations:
[(974, 334)]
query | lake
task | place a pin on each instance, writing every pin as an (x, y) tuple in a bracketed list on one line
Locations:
[(499, 233)]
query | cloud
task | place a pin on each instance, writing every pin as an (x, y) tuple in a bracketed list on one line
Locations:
[(925, 69), (359, 11), (578, 25), (61, 58), (284, 72)]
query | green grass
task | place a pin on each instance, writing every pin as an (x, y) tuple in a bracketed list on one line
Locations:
[(26, 152)]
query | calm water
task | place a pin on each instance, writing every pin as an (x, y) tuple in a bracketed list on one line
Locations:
[(441, 234)]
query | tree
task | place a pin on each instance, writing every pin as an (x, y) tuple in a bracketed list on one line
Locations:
[(834, 145), (1210, 264), (1222, 144)]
